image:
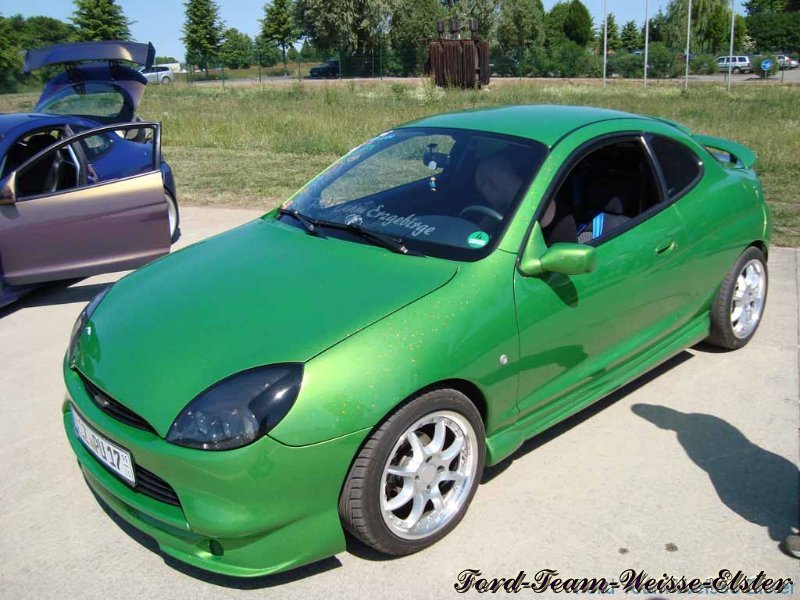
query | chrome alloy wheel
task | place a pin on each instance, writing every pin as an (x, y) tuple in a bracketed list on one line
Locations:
[(429, 475), (748, 299), (172, 213)]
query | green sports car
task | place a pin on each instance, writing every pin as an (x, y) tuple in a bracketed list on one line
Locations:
[(353, 360)]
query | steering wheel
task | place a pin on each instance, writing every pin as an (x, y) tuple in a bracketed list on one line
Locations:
[(484, 210)]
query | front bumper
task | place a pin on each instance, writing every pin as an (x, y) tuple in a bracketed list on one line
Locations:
[(257, 510)]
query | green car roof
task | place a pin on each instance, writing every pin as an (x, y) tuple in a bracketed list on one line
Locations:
[(541, 122)]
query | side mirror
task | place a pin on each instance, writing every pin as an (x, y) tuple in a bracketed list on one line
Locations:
[(569, 259), (8, 188)]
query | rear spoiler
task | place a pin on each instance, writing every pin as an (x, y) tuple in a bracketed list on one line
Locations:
[(739, 155), (141, 54)]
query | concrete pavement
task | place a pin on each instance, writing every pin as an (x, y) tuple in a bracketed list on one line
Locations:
[(687, 471)]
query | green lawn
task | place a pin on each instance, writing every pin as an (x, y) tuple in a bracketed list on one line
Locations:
[(253, 146)]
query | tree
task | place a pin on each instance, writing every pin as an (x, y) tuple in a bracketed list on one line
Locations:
[(629, 38), (97, 20), (236, 52), (343, 25), (278, 26), (614, 42), (160, 60), (765, 7), (780, 32), (554, 24), (578, 23), (520, 24), (410, 20), (266, 54), (202, 32), (568, 21)]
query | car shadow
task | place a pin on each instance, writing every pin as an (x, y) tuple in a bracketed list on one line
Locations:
[(53, 294), (239, 583), (758, 485), (564, 426)]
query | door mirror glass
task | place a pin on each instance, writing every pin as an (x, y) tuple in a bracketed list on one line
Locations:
[(8, 188), (568, 259)]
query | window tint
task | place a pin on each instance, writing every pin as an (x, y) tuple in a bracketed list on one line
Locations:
[(680, 166), (602, 194)]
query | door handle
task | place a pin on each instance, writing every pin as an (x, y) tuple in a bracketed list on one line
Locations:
[(665, 246)]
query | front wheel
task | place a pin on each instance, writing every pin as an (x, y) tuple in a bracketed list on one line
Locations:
[(416, 475), (739, 304)]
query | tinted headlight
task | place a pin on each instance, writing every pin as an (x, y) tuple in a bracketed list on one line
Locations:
[(82, 321), (238, 410)]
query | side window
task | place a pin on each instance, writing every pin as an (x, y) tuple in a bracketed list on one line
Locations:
[(26, 147), (680, 166), (55, 171), (96, 145), (604, 191)]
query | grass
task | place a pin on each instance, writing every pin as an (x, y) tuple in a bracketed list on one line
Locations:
[(253, 146)]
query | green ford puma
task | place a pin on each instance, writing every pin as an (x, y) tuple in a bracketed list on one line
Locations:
[(352, 360)]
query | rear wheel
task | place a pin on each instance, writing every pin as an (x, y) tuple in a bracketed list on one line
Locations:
[(416, 475), (739, 304), (737, 70), (173, 216), (166, 80)]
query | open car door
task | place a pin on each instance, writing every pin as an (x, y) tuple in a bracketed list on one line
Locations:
[(59, 221)]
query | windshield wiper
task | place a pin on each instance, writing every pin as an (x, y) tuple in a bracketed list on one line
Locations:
[(308, 224), (312, 225)]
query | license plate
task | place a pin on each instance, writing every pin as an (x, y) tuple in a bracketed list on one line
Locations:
[(111, 455)]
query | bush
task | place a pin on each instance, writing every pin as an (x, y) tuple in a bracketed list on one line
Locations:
[(703, 64), (570, 59), (757, 60), (537, 63), (661, 60), (629, 65)]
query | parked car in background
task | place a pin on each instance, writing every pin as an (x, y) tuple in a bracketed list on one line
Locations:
[(83, 186), (330, 68), (736, 64), (786, 62), (158, 74)]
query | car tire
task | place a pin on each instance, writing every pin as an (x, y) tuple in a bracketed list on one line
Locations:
[(736, 70), (399, 512), (174, 216), (166, 80), (739, 304)]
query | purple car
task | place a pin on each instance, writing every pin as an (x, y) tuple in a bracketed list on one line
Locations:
[(83, 186)]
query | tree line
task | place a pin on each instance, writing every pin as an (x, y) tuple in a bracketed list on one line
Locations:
[(525, 39)]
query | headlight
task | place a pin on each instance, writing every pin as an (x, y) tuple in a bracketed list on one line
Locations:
[(82, 320), (238, 410)]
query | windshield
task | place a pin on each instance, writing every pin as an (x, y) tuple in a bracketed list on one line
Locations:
[(101, 100), (444, 192)]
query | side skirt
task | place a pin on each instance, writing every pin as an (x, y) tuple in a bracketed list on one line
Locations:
[(505, 442)]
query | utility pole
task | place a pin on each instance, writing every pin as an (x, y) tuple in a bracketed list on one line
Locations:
[(688, 40), (730, 56), (605, 40), (647, 36)]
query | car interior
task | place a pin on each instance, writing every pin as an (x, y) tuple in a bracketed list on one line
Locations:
[(606, 189), (55, 171)]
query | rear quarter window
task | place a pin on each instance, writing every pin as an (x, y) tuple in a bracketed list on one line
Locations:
[(681, 167)]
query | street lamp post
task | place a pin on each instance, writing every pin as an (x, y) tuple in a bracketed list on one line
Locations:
[(688, 40), (730, 55), (647, 37), (605, 40)]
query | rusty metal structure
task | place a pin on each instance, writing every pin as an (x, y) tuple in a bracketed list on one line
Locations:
[(456, 62)]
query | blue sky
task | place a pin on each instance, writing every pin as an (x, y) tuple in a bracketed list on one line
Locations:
[(161, 21)]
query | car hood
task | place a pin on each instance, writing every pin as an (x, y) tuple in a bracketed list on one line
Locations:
[(264, 293)]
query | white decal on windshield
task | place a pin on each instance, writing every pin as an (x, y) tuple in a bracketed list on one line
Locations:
[(385, 218)]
